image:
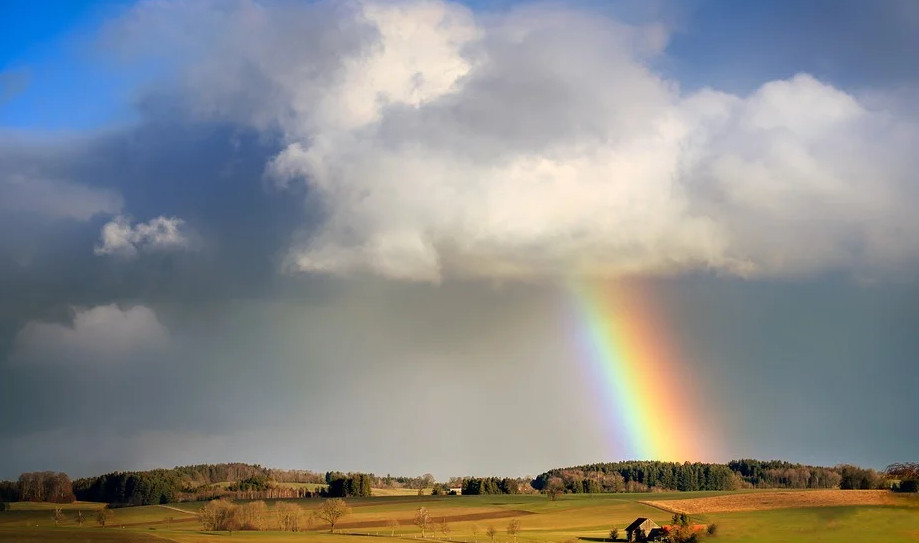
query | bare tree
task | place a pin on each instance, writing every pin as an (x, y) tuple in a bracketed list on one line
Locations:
[(80, 519), (491, 532), (393, 525), (475, 532), (422, 519), (103, 516), (58, 516), (252, 515), (444, 527), (614, 534), (218, 515), (168, 521), (332, 510), (289, 515), (513, 528), (908, 471)]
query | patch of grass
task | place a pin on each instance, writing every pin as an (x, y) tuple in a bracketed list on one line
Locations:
[(77, 535), (821, 525)]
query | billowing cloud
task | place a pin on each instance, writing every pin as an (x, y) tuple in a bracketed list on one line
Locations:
[(541, 142), (119, 237), (100, 335)]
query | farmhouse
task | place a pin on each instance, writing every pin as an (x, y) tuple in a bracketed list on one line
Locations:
[(640, 529)]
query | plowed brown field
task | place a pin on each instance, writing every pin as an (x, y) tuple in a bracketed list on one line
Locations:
[(756, 501)]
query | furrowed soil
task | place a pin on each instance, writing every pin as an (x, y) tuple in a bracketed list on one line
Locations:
[(761, 501)]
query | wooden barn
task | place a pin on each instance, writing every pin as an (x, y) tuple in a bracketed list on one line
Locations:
[(641, 529)]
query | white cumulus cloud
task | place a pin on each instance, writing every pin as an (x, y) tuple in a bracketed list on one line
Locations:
[(541, 143), (100, 335), (120, 237)]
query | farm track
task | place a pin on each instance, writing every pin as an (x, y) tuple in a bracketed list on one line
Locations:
[(761, 501), (185, 511)]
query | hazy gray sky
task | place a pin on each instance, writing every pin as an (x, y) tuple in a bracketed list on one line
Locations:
[(337, 235)]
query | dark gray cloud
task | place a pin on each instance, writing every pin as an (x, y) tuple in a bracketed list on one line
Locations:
[(306, 161)]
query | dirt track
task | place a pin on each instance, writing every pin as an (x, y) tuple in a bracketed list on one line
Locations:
[(756, 501)]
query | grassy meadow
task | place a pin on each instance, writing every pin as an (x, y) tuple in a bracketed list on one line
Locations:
[(572, 518)]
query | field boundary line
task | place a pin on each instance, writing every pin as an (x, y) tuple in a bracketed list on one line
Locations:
[(660, 507), (171, 508)]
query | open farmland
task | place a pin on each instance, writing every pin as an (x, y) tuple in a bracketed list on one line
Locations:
[(759, 501), (750, 516)]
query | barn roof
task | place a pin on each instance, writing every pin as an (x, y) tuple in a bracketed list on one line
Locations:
[(638, 522)]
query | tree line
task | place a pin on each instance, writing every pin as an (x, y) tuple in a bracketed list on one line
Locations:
[(645, 476), (38, 486), (347, 485), (224, 515), (490, 485), (205, 482)]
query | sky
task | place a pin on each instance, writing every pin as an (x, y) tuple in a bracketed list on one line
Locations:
[(365, 235)]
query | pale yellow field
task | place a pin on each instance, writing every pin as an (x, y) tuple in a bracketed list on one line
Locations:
[(776, 500), (380, 492)]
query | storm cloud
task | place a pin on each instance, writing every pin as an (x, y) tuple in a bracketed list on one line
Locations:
[(416, 129)]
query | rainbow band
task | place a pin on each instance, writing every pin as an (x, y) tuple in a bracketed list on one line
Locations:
[(646, 398)]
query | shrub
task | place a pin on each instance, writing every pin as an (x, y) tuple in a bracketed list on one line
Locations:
[(712, 529), (614, 534), (908, 486)]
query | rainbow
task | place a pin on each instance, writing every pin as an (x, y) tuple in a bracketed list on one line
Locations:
[(644, 391)]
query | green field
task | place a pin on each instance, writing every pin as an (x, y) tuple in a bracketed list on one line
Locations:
[(572, 518)]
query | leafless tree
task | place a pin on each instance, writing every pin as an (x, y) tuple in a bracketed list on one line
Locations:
[(491, 532), (252, 515), (513, 528), (80, 519), (444, 527), (332, 510), (393, 525), (218, 515), (58, 516), (422, 519), (289, 515), (908, 471), (475, 532)]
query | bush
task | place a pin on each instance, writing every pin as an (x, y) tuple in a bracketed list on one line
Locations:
[(908, 486), (712, 529), (4, 506), (614, 534)]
